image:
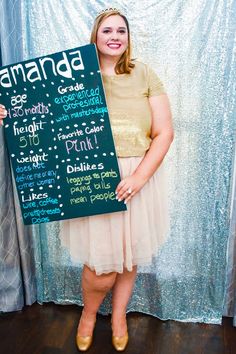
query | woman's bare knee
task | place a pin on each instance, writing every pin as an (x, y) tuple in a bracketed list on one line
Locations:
[(101, 283)]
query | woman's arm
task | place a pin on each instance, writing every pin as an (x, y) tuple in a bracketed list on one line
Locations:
[(3, 113), (162, 135)]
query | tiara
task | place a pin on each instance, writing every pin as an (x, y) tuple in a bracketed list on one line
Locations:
[(107, 10)]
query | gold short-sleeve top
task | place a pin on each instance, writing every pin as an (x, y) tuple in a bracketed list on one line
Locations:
[(129, 109)]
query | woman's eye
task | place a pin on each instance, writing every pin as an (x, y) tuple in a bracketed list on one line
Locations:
[(122, 31), (106, 31)]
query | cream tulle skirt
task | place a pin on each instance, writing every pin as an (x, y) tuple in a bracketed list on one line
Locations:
[(112, 242)]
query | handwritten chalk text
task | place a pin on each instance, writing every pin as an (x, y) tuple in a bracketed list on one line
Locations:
[(42, 68)]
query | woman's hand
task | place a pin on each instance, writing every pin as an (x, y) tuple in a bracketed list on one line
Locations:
[(129, 186), (3, 113)]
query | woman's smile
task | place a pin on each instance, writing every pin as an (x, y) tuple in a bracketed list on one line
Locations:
[(114, 45)]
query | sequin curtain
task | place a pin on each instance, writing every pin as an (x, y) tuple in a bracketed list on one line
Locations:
[(230, 299), (17, 276), (191, 45)]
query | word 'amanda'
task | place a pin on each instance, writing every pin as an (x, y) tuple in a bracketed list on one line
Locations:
[(35, 70)]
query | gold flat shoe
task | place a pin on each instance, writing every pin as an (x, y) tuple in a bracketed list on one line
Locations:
[(84, 342), (120, 343)]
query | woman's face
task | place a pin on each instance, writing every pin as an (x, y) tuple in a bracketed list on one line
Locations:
[(112, 37)]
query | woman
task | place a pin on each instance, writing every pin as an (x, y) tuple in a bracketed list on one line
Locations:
[(112, 245)]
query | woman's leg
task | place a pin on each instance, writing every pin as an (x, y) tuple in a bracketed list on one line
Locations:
[(94, 288), (121, 294)]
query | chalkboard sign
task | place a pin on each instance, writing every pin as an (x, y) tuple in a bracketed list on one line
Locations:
[(59, 136)]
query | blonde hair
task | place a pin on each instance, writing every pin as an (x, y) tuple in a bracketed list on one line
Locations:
[(124, 64)]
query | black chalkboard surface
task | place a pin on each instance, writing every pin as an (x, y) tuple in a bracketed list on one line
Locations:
[(59, 136)]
